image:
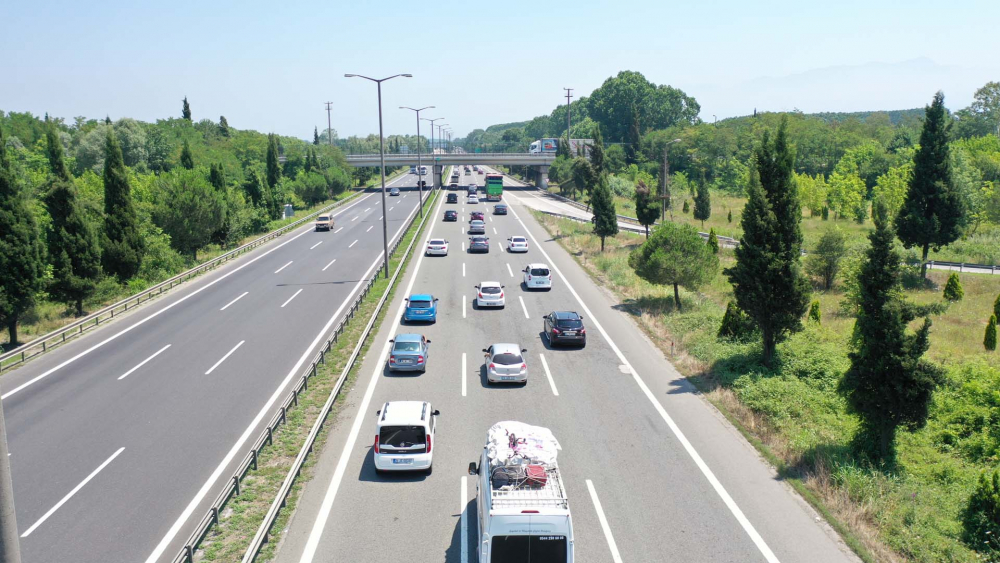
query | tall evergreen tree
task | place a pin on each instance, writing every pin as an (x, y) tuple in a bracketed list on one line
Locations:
[(663, 185), (933, 213), (187, 160), (767, 278), (563, 148), (273, 166), (888, 385), (54, 152), (74, 252), (597, 152), (256, 189), (21, 253), (315, 135), (634, 136), (122, 244), (217, 177), (308, 164), (605, 217), (223, 126), (186, 110), (703, 204), (646, 209)]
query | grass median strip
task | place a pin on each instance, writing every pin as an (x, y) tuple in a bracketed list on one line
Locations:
[(243, 514)]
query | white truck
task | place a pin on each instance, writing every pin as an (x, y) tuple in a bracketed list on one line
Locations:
[(523, 513), (577, 147)]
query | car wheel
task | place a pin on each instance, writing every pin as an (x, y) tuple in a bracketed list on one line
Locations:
[(379, 471)]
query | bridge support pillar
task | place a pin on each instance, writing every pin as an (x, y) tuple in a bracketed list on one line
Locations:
[(543, 176), (438, 170)]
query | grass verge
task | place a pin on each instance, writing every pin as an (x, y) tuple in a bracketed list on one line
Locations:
[(244, 514), (794, 415)]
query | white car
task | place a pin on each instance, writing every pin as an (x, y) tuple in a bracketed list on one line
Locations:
[(537, 276), (517, 244), (404, 435), (505, 363), (472, 199), (437, 247), (490, 294)]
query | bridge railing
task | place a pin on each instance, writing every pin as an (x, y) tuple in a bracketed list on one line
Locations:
[(468, 156)]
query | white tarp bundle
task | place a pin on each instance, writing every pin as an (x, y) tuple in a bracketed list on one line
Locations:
[(533, 443)]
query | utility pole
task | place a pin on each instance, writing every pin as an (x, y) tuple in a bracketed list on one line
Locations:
[(329, 127), (569, 94), (9, 547)]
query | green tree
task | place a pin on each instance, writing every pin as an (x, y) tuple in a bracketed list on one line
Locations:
[(729, 218), (217, 177), (990, 337), (767, 279), (315, 135), (933, 213), (814, 312), (189, 209), (996, 307), (562, 149), (583, 175), (713, 241), (981, 520), (686, 207), (846, 190), (614, 159), (703, 204), (735, 323), (273, 177), (889, 385), (186, 110), (122, 243), (892, 186), (21, 252), (597, 152), (223, 126), (54, 153), (824, 262), (674, 254), (953, 289), (255, 188), (605, 217), (646, 209), (187, 161)]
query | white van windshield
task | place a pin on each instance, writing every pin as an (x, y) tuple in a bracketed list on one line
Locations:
[(528, 549)]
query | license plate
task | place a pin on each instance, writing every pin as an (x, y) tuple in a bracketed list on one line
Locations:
[(406, 361), (570, 333), (506, 378), (406, 461)]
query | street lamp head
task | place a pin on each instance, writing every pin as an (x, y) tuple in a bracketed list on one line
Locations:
[(407, 75), (350, 75)]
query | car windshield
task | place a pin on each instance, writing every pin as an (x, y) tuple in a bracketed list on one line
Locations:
[(479, 240), (539, 271), (406, 347), (402, 436), (323, 218), (420, 305), (477, 223), (508, 359), (437, 241), (569, 323), (490, 290)]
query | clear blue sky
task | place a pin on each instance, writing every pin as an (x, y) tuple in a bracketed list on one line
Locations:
[(270, 65)]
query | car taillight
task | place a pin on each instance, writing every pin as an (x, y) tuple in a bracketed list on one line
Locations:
[(529, 277), (480, 294), (555, 330), (583, 331), (493, 367), (428, 443), (550, 277), (392, 359), (420, 359), (376, 443), (501, 295)]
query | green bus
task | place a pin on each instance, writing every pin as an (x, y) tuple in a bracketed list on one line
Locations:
[(494, 187)]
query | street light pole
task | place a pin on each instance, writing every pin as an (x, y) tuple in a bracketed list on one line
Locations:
[(569, 94), (10, 551), (420, 172), (381, 145)]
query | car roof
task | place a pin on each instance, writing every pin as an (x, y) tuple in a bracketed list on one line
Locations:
[(421, 297), (519, 237), (564, 315), (478, 221), (506, 348), (538, 265), (489, 283), (409, 337), (500, 205), (404, 412)]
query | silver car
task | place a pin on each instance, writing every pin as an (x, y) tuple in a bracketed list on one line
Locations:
[(505, 363), (477, 227)]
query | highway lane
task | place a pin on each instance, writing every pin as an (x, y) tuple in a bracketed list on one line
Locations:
[(656, 498), (213, 355)]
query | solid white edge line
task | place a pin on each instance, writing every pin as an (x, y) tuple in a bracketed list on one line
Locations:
[(352, 244), (234, 300), (688, 447), (331, 493), (315, 245), (290, 298), (548, 374), (509, 271), (200, 495), (142, 363), (223, 358), (71, 493), (523, 308), (283, 267), (328, 265), (464, 372), (615, 556), (305, 230), (464, 528)]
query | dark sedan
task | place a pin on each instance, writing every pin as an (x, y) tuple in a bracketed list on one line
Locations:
[(451, 215), (452, 198), (564, 327), (500, 209), (479, 244)]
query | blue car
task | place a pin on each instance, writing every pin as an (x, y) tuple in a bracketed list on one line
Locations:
[(410, 352), (421, 307)]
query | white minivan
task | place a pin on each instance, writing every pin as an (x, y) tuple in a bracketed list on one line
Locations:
[(537, 276), (404, 435)]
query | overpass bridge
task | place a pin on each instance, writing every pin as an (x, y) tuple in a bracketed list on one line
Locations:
[(540, 161)]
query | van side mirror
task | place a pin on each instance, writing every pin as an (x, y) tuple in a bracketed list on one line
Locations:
[(485, 350), (428, 340), (436, 412), (378, 412), (473, 469), (524, 349)]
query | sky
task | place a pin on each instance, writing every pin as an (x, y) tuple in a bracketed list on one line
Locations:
[(270, 66)]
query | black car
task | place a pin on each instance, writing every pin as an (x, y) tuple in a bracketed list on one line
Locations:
[(564, 327), (452, 198), (500, 209), (451, 215), (479, 244)]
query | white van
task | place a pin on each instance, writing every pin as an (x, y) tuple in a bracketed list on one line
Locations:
[(404, 435), (523, 510)]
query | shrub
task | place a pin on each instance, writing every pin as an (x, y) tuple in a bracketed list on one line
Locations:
[(826, 213), (990, 339), (953, 289), (621, 186), (730, 217), (736, 324), (686, 206), (996, 307), (982, 514), (713, 241), (814, 313)]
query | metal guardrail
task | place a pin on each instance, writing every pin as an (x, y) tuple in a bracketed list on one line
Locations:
[(470, 156), (43, 343), (266, 437)]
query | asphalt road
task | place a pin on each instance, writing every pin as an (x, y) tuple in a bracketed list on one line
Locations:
[(121, 439), (675, 482)]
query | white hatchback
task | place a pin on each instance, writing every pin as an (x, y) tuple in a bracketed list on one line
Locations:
[(517, 244), (537, 276), (437, 247), (472, 199), (404, 434), (505, 363), (490, 294)]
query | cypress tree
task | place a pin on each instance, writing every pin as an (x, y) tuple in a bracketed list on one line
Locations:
[(713, 241), (686, 207), (597, 152), (217, 177), (308, 164), (814, 312), (605, 218), (273, 166), (54, 152), (563, 148), (646, 210), (255, 189), (703, 204), (730, 217), (21, 254), (933, 213), (107, 120), (315, 135), (223, 126), (186, 110), (990, 338), (953, 289), (996, 306), (889, 385), (122, 244), (767, 278), (187, 161)]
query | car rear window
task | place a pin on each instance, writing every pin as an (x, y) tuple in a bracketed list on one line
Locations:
[(478, 223), (402, 436), (323, 218), (539, 271), (406, 346), (490, 290), (437, 241), (517, 239), (508, 359), (420, 304), (569, 323)]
